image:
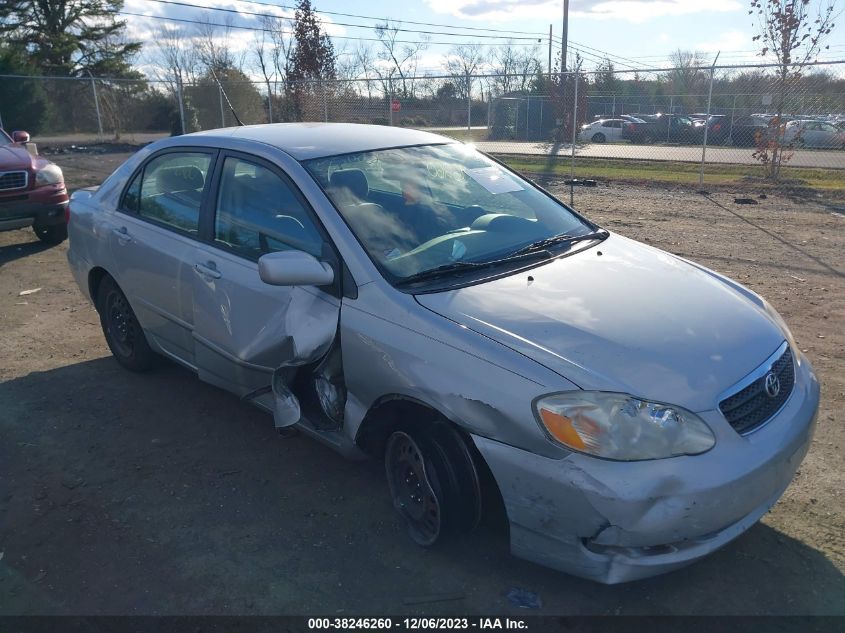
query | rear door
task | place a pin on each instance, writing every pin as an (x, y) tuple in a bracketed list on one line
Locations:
[(153, 236), (613, 129), (245, 329)]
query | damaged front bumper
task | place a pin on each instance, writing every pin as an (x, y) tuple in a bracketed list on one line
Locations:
[(614, 522)]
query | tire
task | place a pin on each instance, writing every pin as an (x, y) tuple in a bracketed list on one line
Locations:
[(598, 138), (123, 333), (433, 482), (52, 234)]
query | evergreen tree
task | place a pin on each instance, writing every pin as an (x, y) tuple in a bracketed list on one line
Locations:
[(68, 37), (23, 104), (313, 56)]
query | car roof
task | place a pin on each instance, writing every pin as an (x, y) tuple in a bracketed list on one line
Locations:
[(304, 141)]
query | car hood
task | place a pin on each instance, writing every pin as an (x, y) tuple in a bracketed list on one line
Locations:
[(623, 316), (14, 157)]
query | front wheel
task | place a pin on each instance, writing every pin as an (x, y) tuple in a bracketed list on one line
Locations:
[(599, 138), (52, 234), (123, 333), (433, 482)]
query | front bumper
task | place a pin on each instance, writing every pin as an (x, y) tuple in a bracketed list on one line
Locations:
[(42, 206), (614, 522)]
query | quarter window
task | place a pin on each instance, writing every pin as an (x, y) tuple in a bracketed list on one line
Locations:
[(258, 212), (171, 190)]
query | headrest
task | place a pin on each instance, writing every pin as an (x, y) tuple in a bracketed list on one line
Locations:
[(184, 178), (352, 179)]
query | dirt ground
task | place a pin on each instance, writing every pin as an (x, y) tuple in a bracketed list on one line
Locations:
[(158, 494)]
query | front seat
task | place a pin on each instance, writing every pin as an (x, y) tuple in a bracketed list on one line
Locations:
[(349, 187)]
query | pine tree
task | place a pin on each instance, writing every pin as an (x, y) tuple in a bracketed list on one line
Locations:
[(313, 57), (68, 37)]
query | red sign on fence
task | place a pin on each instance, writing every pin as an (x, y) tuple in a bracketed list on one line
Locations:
[(395, 106)]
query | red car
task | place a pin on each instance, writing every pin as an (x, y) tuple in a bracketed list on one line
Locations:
[(32, 191)]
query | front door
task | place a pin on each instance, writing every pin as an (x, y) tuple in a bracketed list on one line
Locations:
[(245, 329)]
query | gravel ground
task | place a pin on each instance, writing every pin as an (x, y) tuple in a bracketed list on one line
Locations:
[(158, 494)]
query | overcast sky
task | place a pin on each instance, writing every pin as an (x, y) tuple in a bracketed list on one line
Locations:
[(637, 33)]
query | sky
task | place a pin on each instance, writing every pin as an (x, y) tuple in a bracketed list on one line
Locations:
[(633, 33)]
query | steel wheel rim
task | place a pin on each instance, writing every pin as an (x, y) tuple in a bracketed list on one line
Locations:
[(411, 490), (122, 325)]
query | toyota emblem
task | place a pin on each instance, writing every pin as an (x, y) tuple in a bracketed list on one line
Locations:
[(772, 385)]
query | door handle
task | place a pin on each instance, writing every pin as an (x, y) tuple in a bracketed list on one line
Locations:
[(122, 235), (208, 269)]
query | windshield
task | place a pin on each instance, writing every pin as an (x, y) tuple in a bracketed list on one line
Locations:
[(4, 138), (416, 209)]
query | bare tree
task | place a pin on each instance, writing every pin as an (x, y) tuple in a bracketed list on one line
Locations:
[(793, 32), (175, 57), (403, 57), (282, 45), (212, 46), (463, 61), (514, 67), (688, 74), (272, 49), (365, 64), (263, 57)]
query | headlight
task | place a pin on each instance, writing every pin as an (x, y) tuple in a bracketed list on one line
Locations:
[(48, 175), (778, 319), (621, 427)]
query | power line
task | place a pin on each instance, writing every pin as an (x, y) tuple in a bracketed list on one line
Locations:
[(624, 61), (357, 26), (379, 18), (263, 30)]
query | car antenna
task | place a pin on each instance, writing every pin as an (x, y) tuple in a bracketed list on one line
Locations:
[(225, 96)]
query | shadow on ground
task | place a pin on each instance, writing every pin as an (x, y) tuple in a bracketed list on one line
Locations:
[(155, 493), (11, 252)]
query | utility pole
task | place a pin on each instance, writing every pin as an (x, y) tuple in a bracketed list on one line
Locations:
[(97, 106), (565, 36), (550, 50), (707, 121)]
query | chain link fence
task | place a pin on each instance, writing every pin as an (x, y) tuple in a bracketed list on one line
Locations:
[(682, 125)]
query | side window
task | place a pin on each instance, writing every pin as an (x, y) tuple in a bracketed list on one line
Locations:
[(258, 212), (171, 189), (132, 196)]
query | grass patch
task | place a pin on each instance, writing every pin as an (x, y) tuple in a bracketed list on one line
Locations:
[(674, 172), (473, 136)]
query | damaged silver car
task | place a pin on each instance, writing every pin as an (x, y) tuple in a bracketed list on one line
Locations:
[(396, 294)]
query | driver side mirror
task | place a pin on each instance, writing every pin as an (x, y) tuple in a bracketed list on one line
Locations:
[(19, 136), (294, 268)]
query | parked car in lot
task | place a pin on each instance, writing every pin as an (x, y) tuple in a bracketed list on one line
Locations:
[(32, 190), (751, 130), (817, 134), (718, 128), (396, 294), (655, 128), (602, 131)]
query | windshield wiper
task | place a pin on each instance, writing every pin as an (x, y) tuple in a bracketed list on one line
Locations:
[(455, 267), (545, 243)]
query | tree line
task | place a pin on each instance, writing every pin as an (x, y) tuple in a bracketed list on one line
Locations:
[(291, 70)]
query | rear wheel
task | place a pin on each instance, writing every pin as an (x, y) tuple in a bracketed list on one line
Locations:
[(599, 138), (52, 234), (433, 482), (123, 333)]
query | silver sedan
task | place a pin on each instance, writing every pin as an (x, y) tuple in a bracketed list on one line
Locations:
[(398, 295)]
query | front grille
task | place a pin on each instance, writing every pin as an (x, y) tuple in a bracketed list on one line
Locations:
[(13, 180), (751, 406)]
